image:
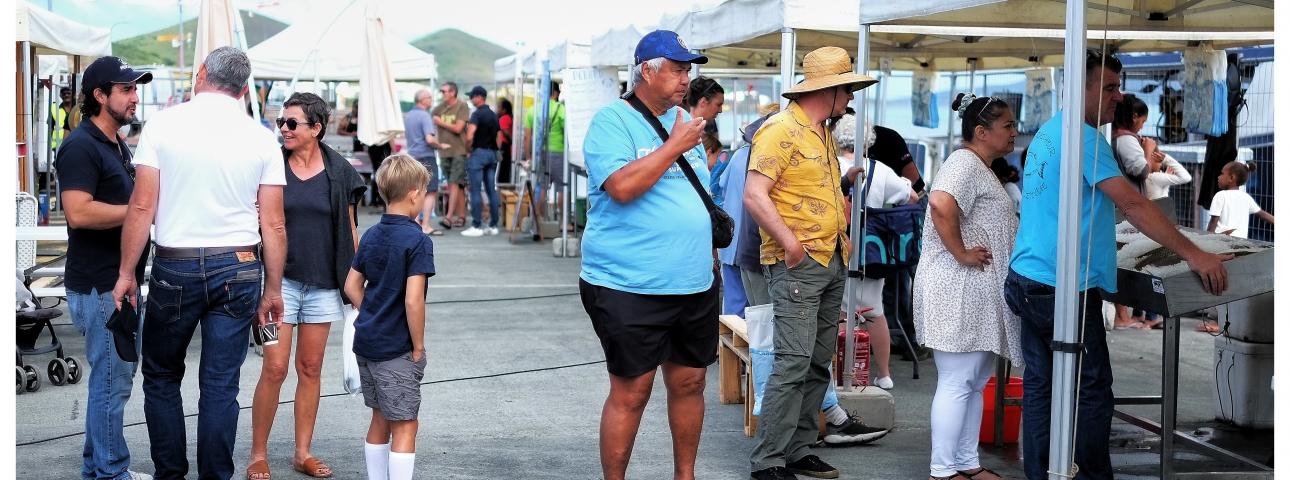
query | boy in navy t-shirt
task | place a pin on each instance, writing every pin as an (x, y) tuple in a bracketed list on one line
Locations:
[(387, 284)]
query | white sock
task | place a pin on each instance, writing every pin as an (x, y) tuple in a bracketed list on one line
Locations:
[(836, 415), (378, 461), (401, 465)]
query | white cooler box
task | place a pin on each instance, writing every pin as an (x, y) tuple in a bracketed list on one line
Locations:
[(1244, 389), (1252, 319)]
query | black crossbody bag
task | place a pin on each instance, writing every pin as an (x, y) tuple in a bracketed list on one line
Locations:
[(723, 227)]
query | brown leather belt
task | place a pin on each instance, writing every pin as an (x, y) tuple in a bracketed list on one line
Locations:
[(200, 252)]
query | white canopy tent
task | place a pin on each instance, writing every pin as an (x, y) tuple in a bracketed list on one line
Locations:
[(330, 48), (39, 32)]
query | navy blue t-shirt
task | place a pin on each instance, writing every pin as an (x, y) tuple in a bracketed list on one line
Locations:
[(389, 253), (89, 162)]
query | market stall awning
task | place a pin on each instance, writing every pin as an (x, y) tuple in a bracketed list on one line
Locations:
[(54, 34), (329, 47)]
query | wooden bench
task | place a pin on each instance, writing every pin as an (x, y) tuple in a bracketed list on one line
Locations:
[(735, 363)]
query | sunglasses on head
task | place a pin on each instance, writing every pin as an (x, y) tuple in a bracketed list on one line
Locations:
[(292, 123)]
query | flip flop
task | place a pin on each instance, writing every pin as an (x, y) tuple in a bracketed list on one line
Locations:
[(445, 223), (313, 467), (434, 232), (979, 471), (258, 467)]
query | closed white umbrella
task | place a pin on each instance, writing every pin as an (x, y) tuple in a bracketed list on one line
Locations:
[(219, 25), (382, 119)]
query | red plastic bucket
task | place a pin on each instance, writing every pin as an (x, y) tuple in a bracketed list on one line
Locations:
[(1011, 414)]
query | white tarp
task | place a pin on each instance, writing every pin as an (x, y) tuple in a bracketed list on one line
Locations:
[(53, 34), (380, 111), (616, 47), (329, 48)]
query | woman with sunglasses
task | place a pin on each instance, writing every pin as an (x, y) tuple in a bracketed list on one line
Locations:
[(319, 202), (959, 309)]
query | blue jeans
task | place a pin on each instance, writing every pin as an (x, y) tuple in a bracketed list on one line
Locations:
[(222, 294), (481, 169), (106, 455), (1034, 303)]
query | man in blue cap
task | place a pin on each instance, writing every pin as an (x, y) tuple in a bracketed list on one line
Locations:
[(647, 266), (97, 181)]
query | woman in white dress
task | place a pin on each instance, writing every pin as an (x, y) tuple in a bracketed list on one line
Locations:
[(959, 310)]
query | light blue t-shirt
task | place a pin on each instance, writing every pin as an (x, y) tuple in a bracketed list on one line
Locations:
[(661, 242), (417, 123), (1035, 253)]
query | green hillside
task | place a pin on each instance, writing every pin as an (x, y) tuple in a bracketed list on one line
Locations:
[(462, 57), (146, 50)]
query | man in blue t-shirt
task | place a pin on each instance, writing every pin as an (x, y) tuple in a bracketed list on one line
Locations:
[(1029, 289), (647, 267)]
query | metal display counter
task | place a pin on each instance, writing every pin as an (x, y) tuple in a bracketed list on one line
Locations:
[(1171, 296)]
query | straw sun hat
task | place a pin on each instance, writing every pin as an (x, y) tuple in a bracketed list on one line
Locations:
[(828, 67)]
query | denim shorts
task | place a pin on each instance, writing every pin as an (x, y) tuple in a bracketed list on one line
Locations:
[(309, 304)]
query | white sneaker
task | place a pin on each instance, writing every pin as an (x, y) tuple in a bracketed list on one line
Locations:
[(884, 383), (472, 232), (139, 476), (491, 230)]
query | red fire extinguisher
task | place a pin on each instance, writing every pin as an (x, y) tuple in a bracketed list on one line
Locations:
[(861, 375)]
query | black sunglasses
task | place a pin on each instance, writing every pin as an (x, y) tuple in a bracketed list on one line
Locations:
[(292, 123)]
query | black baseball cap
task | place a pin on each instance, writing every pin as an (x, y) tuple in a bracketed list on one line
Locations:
[(478, 91), (111, 70), (666, 44)]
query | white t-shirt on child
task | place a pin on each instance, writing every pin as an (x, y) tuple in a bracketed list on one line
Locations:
[(1233, 209)]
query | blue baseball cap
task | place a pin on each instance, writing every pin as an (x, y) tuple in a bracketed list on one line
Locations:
[(665, 44)]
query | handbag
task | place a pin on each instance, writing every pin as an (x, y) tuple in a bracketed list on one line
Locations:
[(892, 237), (723, 227)]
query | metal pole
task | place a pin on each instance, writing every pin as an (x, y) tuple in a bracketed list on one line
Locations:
[(28, 118), (239, 36), (1066, 317), (182, 43), (972, 75), (949, 127), (856, 261), (787, 59), (517, 123)]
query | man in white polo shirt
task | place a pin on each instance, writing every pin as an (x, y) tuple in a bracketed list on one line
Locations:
[(210, 178)]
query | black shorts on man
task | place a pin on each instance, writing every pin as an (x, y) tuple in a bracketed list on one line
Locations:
[(640, 332)]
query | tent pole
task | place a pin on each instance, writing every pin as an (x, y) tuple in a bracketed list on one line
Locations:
[(949, 124), (856, 261), (972, 75), (787, 59), (1066, 317), (28, 119), (239, 36)]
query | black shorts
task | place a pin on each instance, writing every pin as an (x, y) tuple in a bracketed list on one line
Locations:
[(639, 332)]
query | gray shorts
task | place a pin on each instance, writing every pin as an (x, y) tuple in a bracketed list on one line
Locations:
[(555, 165), (392, 386), (432, 166)]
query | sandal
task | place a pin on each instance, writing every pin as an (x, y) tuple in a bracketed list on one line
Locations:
[(434, 232), (971, 475), (956, 476), (313, 467), (445, 223), (258, 470), (460, 222)]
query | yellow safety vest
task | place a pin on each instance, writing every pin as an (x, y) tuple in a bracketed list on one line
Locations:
[(60, 119)]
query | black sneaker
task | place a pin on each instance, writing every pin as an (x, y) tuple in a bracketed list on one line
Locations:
[(853, 432), (812, 466), (773, 473)]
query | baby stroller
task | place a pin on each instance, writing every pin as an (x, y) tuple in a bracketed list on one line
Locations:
[(31, 318)]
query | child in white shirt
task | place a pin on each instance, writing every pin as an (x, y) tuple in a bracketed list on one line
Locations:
[(1231, 208)]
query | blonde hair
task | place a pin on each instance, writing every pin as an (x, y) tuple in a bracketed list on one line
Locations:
[(400, 174)]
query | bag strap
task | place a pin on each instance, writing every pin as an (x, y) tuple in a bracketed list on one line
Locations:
[(680, 160)]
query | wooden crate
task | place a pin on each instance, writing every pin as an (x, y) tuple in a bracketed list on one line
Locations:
[(732, 353)]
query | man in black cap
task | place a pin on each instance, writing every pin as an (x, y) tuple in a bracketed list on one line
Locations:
[(97, 179), (481, 169)]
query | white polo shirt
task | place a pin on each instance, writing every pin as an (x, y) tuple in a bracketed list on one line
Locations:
[(213, 158)]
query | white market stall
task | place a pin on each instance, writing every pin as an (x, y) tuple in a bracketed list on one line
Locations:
[(40, 32)]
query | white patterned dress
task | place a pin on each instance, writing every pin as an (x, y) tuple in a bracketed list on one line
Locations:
[(958, 308)]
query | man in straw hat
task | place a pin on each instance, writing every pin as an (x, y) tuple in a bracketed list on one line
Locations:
[(647, 271), (794, 192)]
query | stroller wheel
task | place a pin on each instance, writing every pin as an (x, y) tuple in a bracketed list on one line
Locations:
[(57, 371), (22, 377), (32, 380), (73, 370)]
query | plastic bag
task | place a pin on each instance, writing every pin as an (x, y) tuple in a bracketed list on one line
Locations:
[(349, 376), (761, 347)]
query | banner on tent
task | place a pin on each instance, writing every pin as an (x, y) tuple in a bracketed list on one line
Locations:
[(585, 92), (1038, 100), (922, 99), (1205, 91)]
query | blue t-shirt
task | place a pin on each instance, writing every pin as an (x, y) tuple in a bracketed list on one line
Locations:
[(389, 253), (1035, 253), (417, 123), (661, 242)]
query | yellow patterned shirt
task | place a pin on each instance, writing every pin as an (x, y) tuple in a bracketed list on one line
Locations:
[(807, 192)]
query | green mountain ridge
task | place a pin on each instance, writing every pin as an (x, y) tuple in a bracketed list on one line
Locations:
[(463, 58), (147, 50)]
